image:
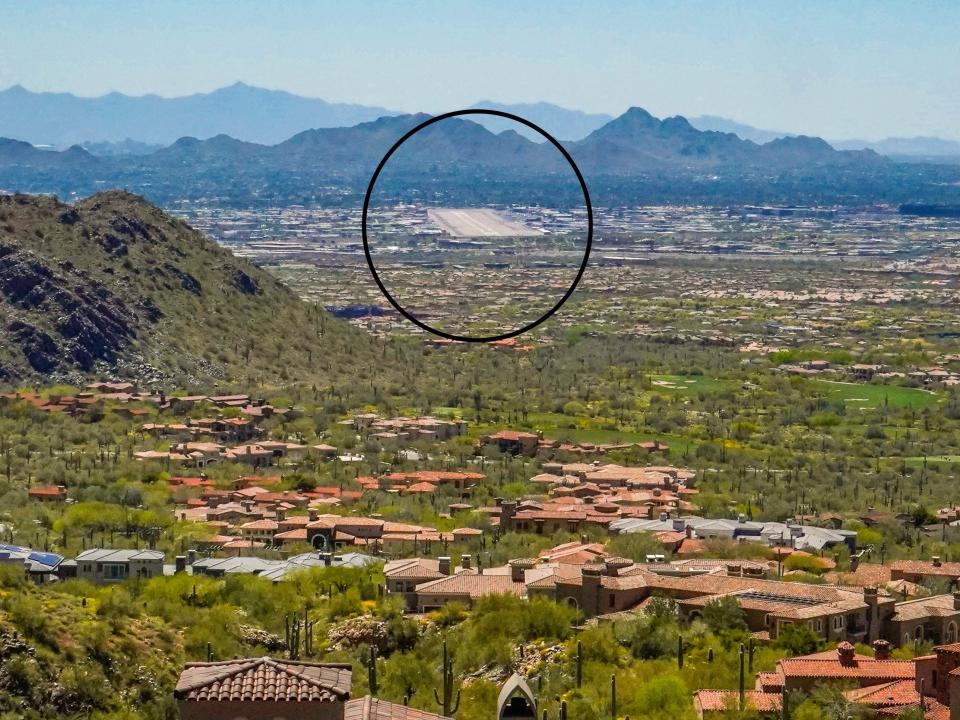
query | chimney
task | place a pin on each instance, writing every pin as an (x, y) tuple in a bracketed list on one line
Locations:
[(845, 653), (328, 559), (312, 515), (664, 517), (191, 557), (688, 531), (180, 564), (678, 524), (881, 650), (590, 597), (854, 562), (734, 569), (936, 561), (613, 565), (465, 562), (508, 509), (444, 564), (741, 518), (518, 569)]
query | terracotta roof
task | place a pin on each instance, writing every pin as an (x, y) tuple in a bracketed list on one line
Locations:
[(720, 700), (295, 534), (511, 435), (924, 567), (473, 585), (421, 487), (866, 575), (370, 708), (899, 692), (52, 491), (921, 608), (413, 568), (769, 681), (878, 670), (263, 679)]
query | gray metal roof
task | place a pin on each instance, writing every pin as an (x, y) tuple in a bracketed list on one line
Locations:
[(108, 555)]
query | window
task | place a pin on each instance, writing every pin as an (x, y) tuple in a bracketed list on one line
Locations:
[(838, 622), (613, 599)]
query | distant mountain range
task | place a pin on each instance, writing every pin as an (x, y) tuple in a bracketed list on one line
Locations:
[(747, 132), (560, 122), (457, 156), (918, 149), (117, 124), (915, 149), (243, 111)]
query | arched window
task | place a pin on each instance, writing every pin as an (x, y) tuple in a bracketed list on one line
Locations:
[(952, 632)]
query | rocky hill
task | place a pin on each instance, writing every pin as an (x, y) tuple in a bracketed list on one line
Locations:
[(113, 285)]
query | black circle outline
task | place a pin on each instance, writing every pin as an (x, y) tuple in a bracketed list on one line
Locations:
[(586, 198)]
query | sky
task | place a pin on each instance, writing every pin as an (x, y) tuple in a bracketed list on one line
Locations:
[(839, 69)]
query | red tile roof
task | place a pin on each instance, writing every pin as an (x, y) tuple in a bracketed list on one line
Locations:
[(878, 670), (52, 491), (371, 708), (263, 679), (899, 692), (721, 700)]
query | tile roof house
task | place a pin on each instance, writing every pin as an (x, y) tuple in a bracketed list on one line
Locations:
[(887, 687), (403, 576), (916, 571), (263, 689), (49, 493), (513, 442), (468, 585)]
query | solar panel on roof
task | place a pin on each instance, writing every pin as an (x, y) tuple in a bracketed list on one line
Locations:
[(41, 557), (771, 597)]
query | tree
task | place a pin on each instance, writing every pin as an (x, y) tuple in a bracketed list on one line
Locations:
[(798, 639), (724, 617)]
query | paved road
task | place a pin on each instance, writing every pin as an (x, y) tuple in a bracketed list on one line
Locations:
[(478, 223)]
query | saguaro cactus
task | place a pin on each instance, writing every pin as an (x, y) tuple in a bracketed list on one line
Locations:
[(372, 671), (742, 677), (613, 697), (579, 659), (449, 704)]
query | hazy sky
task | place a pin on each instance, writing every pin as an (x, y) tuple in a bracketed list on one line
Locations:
[(839, 69)]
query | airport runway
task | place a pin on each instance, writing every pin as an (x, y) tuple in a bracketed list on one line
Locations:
[(478, 223)]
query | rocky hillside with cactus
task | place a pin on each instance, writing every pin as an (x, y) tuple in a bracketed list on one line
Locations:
[(113, 286)]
